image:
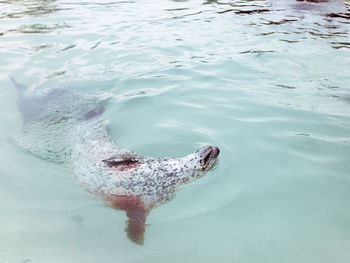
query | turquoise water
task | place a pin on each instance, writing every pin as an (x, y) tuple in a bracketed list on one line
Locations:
[(270, 88)]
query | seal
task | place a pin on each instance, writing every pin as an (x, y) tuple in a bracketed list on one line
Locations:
[(124, 179)]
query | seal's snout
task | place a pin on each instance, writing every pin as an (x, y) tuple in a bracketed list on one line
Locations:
[(208, 156)]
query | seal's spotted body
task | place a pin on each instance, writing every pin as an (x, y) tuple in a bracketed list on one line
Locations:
[(124, 179), (128, 181)]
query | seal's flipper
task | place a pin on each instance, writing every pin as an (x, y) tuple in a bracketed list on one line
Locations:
[(113, 162), (136, 213), (91, 113), (136, 225), (124, 158), (33, 106), (20, 87), (29, 107)]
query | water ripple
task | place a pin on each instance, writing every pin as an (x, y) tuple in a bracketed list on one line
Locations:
[(266, 81)]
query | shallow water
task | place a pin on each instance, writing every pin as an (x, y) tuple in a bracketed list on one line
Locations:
[(267, 82)]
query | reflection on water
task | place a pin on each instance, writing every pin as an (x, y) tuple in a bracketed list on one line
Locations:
[(18, 8), (40, 28), (301, 17), (13, 9), (327, 14), (300, 14)]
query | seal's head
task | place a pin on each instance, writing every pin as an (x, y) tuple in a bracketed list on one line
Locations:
[(154, 179), (207, 156)]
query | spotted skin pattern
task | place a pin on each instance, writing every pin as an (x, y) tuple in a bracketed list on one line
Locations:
[(128, 181), (64, 125)]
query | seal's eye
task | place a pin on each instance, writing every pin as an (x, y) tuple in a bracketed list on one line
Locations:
[(111, 162)]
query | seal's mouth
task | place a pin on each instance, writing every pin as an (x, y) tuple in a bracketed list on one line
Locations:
[(208, 156)]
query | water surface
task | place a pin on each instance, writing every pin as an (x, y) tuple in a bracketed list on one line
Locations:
[(266, 81)]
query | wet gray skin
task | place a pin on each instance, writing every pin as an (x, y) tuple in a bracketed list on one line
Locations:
[(124, 179)]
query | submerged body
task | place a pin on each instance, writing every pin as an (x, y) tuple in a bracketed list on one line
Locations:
[(124, 179)]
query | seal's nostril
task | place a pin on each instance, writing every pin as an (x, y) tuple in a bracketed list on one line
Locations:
[(215, 152)]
